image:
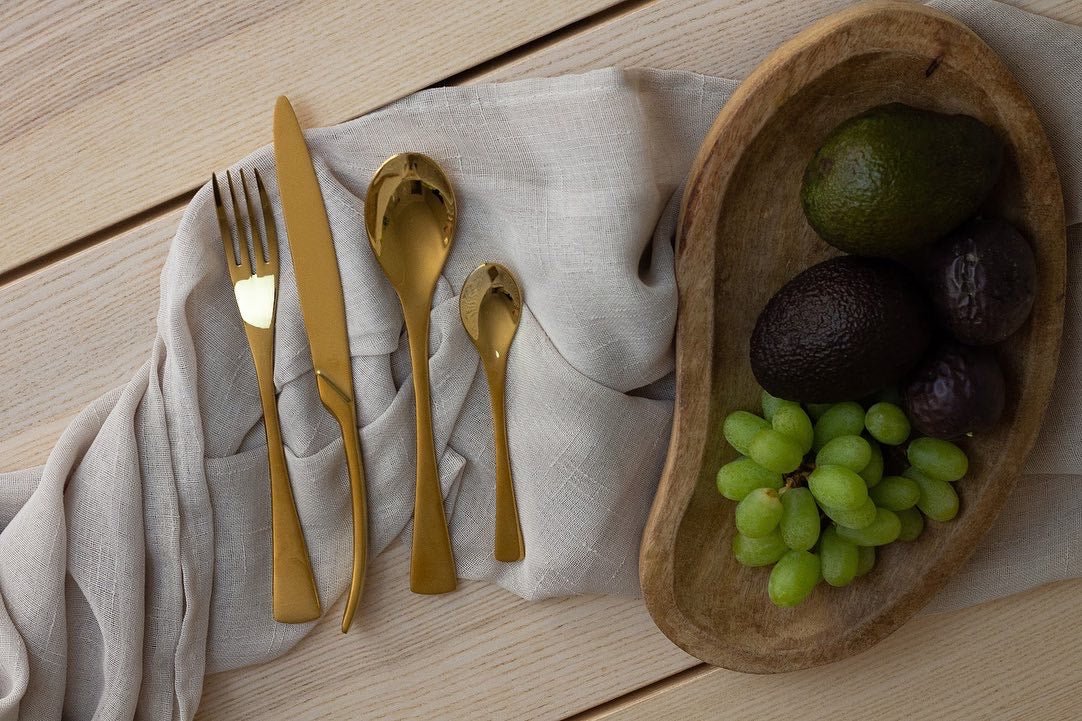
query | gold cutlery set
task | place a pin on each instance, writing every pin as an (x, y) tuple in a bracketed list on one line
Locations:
[(410, 216)]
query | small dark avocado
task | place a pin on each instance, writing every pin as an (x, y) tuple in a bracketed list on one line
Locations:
[(840, 330), (895, 178), (982, 280), (956, 390)]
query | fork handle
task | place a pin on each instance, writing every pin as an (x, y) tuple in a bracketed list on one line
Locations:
[(295, 598)]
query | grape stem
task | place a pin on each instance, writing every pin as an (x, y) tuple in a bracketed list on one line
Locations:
[(799, 477)]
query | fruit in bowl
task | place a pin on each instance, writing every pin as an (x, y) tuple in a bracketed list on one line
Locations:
[(895, 177), (839, 330), (814, 500), (812, 494)]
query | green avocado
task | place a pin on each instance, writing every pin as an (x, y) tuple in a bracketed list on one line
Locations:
[(894, 178)]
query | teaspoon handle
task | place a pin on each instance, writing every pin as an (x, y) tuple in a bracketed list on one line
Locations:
[(509, 545), (432, 562)]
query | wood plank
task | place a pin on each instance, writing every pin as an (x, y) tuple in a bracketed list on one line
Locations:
[(477, 653), (724, 38), (73, 331), (530, 660), (110, 110), (1008, 659)]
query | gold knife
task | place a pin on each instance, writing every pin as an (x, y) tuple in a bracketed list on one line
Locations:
[(319, 286)]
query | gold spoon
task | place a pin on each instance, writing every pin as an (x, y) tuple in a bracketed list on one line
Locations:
[(491, 306), (410, 217)]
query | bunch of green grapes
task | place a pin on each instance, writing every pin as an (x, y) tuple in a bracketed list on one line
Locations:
[(812, 497)]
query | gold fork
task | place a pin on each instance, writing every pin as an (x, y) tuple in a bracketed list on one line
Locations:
[(293, 587)]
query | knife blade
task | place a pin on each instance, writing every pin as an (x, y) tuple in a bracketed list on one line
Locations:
[(323, 308)]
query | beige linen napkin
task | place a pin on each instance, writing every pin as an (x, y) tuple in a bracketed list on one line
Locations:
[(152, 569)]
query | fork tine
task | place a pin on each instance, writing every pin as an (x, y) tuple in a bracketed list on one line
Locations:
[(258, 256), (245, 252), (268, 224), (223, 225)]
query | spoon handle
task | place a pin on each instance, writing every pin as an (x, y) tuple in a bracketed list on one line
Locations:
[(432, 563), (509, 546)]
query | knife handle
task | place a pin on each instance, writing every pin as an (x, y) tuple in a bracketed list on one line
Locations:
[(343, 410), (432, 562)]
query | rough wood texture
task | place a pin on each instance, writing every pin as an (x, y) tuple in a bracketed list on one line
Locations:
[(140, 101), (1004, 660), (744, 188)]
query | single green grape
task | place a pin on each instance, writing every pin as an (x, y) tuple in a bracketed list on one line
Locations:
[(883, 530), (865, 559), (873, 472), (759, 551), (912, 524), (938, 499), (793, 578), (816, 410), (771, 404), (842, 419), (738, 478), (887, 423), (853, 452), (838, 487), (895, 493), (775, 452), (938, 458), (839, 558), (860, 518), (758, 514), (740, 427), (799, 519), (792, 422)]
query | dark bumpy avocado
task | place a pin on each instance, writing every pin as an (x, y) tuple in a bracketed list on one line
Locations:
[(840, 330), (956, 390), (896, 177), (982, 279)]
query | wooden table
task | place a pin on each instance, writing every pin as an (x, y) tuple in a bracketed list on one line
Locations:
[(113, 113)]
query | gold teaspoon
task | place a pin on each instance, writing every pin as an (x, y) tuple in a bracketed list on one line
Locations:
[(410, 216), (491, 306)]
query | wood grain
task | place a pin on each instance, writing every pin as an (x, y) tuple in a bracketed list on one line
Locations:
[(724, 38), (73, 331), (105, 336), (745, 186), (141, 100), (1004, 660), (477, 653)]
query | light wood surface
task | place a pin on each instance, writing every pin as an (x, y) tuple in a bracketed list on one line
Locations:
[(75, 329), (128, 82), (745, 187), (1002, 661)]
